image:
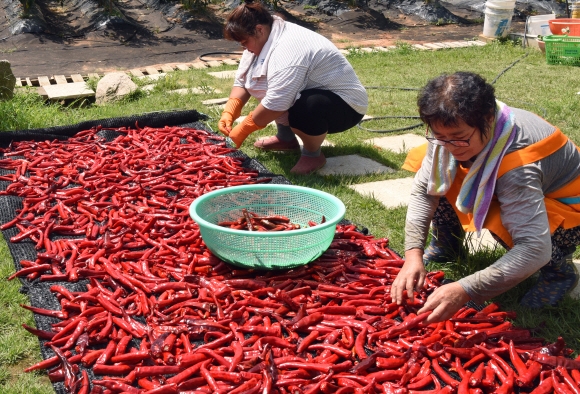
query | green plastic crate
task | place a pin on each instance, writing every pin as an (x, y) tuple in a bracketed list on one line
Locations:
[(562, 50)]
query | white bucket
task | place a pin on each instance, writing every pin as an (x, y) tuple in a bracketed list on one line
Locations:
[(498, 19), (538, 25), (501, 4)]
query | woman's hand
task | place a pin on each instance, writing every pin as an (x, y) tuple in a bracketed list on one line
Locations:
[(411, 277), (444, 302), (231, 112)]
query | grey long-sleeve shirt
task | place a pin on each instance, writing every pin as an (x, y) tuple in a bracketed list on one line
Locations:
[(523, 213)]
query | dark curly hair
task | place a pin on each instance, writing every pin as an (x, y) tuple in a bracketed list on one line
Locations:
[(464, 96), (242, 21)]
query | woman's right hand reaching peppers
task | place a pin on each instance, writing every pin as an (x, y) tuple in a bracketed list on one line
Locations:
[(411, 277)]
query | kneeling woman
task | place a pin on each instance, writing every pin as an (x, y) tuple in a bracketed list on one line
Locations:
[(495, 167), (301, 80)]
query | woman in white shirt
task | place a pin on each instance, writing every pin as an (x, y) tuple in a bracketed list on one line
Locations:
[(301, 80)]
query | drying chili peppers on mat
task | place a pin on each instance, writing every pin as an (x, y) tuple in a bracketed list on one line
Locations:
[(251, 221), (159, 314)]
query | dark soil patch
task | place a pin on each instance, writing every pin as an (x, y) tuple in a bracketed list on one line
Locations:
[(144, 34)]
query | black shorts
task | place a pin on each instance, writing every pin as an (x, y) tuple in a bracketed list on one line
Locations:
[(320, 111)]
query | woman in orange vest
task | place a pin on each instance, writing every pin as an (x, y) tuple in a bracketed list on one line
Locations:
[(490, 166)]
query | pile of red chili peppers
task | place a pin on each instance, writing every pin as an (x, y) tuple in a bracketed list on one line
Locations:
[(161, 314), (251, 221)]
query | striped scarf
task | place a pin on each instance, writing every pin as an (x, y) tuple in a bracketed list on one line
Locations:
[(479, 184)]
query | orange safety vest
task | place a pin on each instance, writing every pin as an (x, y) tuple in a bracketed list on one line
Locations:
[(565, 215)]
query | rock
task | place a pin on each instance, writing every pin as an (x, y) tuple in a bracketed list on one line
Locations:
[(113, 87), (7, 81)]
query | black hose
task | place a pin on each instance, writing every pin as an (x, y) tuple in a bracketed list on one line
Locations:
[(508, 67), (391, 130)]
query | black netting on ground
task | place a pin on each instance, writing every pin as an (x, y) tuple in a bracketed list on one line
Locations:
[(190, 118)]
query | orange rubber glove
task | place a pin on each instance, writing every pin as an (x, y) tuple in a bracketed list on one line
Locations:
[(243, 130), (231, 112)]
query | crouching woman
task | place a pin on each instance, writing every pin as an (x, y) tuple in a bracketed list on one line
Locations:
[(491, 166)]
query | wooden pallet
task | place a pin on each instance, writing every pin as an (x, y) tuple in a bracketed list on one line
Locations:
[(42, 81)]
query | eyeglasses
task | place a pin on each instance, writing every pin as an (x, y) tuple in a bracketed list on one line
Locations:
[(460, 143)]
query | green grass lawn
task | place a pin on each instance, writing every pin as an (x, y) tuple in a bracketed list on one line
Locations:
[(550, 91)]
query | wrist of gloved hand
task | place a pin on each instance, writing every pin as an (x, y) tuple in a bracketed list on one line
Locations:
[(231, 112), (243, 130)]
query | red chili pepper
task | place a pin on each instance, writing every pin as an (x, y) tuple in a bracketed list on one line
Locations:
[(555, 361), (70, 380), (570, 383), (545, 386), (445, 377), (407, 324)]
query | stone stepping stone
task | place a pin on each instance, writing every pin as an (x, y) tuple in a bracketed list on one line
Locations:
[(391, 193), (224, 74), (218, 101), (152, 77), (194, 91), (419, 46), (432, 46), (475, 244), (352, 165), (398, 143)]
